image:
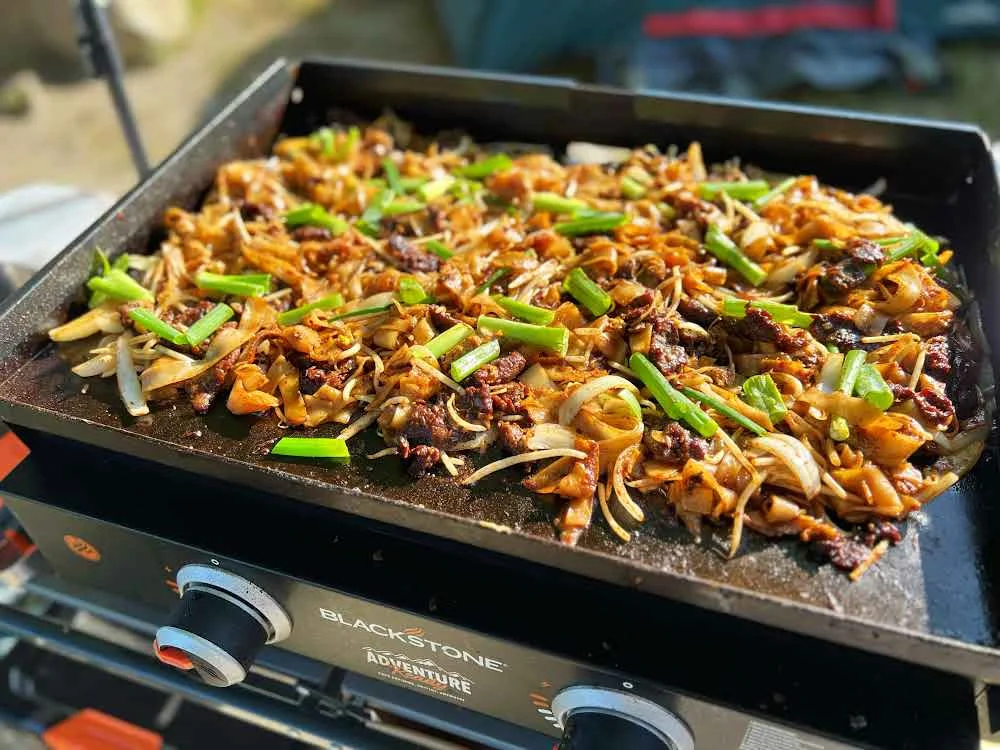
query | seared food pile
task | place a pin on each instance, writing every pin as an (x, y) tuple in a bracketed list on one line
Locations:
[(644, 331)]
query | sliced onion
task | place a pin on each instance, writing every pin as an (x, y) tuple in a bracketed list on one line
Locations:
[(98, 365), (168, 371), (438, 375), (583, 152), (908, 283), (536, 377), (128, 382), (830, 373), (784, 272), (618, 482), (619, 531), (361, 423), (962, 439), (522, 458), (589, 390), (460, 421), (103, 319), (550, 435), (868, 321), (796, 458)]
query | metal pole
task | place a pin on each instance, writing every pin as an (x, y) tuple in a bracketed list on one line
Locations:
[(97, 43)]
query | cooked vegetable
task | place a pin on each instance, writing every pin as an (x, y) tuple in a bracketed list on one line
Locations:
[(445, 342), (761, 393), (153, 324), (210, 322), (486, 167), (674, 403), (632, 189), (117, 284), (324, 140), (312, 215), (492, 279), (750, 190), (595, 224), (431, 191), (789, 314), (472, 360), (586, 292), (411, 292), (556, 204), (439, 249), (872, 388), (239, 285), (311, 447), (773, 193), (556, 339), (725, 250), (526, 312), (854, 360), (724, 408), (297, 314), (392, 178)]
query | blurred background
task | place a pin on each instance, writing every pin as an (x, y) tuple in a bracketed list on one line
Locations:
[(931, 58)]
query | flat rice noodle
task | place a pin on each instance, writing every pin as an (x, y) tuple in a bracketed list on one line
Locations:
[(611, 440), (103, 319), (167, 371), (903, 291), (257, 314), (927, 324), (242, 401), (273, 265), (871, 483), (569, 477), (286, 377), (891, 438), (698, 491)]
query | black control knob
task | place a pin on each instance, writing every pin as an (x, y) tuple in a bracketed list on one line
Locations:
[(220, 624), (597, 718)]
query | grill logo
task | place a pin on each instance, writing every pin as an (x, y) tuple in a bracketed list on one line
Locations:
[(82, 548), (425, 673)]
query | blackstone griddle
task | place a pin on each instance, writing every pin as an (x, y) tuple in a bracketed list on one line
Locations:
[(930, 603)]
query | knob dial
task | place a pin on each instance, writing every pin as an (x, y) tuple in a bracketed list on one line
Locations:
[(220, 624), (596, 718)]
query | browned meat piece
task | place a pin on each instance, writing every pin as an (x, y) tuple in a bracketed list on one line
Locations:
[(508, 401), (502, 370), (512, 437), (937, 363), (250, 211), (427, 425), (836, 328), (315, 234), (935, 406), (674, 444), (844, 553), (477, 402), (411, 257), (188, 315), (664, 347), (758, 325), (203, 391), (693, 310), (864, 251), (441, 318), (638, 308), (901, 392), (876, 532), (314, 377), (421, 459), (438, 218), (966, 355), (839, 278)]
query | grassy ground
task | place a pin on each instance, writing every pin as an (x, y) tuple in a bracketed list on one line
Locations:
[(71, 135)]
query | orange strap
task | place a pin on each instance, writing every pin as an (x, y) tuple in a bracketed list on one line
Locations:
[(90, 729)]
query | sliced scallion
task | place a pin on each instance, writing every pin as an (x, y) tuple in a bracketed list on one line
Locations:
[(117, 284), (411, 293), (492, 279), (153, 324), (723, 248), (347, 146), (296, 314), (439, 249), (872, 388), (854, 360), (741, 191), (448, 340), (324, 140), (208, 323), (486, 167), (761, 393), (363, 311), (557, 204), (544, 337), (248, 285), (593, 224), (409, 184), (674, 403), (632, 189), (526, 312), (781, 312), (583, 289), (304, 447), (472, 360), (391, 172), (723, 408), (313, 215), (399, 207), (773, 193), (434, 189)]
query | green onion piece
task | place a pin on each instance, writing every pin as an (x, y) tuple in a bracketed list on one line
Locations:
[(154, 325), (674, 403), (556, 339), (723, 408), (310, 214), (580, 286), (97, 299), (596, 224), (350, 141), (399, 207), (833, 348), (723, 248), (391, 172), (825, 244), (100, 266), (666, 210), (773, 193), (362, 311), (872, 388), (854, 360), (486, 167), (439, 249), (372, 215), (119, 285), (557, 204), (632, 189), (761, 393), (840, 430), (471, 361), (530, 313), (249, 285), (121, 263), (409, 184), (634, 407), (448, 340), (208, 323), (304, 447), (411, 293), (741, 191), (323, 138), (434, 189), (916, 242), (491, 280), (296, 314), (781, 312)]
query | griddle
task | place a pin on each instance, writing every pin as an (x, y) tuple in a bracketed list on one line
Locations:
[(930, 601)]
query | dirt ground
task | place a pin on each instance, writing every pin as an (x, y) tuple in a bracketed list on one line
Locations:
[(70, 134)]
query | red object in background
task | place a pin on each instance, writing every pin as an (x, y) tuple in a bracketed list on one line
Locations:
[(771, 20), (12, 452), (90, 729)]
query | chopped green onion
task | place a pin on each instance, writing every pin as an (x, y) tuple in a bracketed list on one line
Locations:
[(100, 266), (296, 314), (153, 324), (634, 407), (439, 249), (761, 393), (524, 311), (97, 299), (854, 360), (825, 244), (121, 263), (916, 242), (372, 215), (208, 323), (773, 193), (674, 403), (411, 293), (666, 210), (582, 288), (311, 214), (409, 184), (472, 360), (433, 190), (117, 284), (596, 224), (491, 280), (323, 138), (362, 311), (391, 172), (741, 191), (350, 141), (486, 167), (782, 313), (249, 285), (872, 388), (840, 430), (399, 207), (557, 204), (723, 408), (448, 340), (632, 189), (723, 248), (304, 447), (556, 339), (833, 348)]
